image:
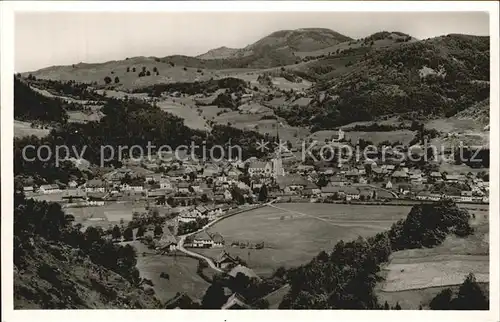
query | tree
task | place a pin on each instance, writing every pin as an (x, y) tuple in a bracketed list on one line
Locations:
[(116, 233), (470, 296), (148, 73), (263, 193), (386, 306), (133, 69), (140, 232), (107, 80), (155, 70), (214, 297), (128, 234), (128, 69), (397, 307), (322, 181), (158, 231), (442, 301), (117, 80)]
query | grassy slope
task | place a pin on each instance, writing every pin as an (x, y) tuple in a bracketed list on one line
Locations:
[(75, 284)]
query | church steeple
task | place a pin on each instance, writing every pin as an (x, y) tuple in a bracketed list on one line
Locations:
[(278, 133)]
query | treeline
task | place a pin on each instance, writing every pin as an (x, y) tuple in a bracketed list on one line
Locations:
[(346, 277), (71, 88), (32, 106), (192, 88)]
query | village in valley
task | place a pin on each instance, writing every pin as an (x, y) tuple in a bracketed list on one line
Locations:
[(191, 195), (342, 173)]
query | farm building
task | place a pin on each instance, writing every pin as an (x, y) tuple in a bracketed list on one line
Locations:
[(243, 270), (224, 260), (218, 240), (202, 240), (95, 185), (28, 189), (351, 194), (235, 301), (167, 242), (49, 188)]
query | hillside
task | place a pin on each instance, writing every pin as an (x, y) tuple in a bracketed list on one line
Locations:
[(277, 49), (57, 276), (340, 80), (284, 42), (219, 53), (479, 112), (57, 266), (434, 77)]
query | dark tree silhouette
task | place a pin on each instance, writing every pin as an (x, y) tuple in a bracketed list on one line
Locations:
[(116, 233), (214, 297), (128, 234)]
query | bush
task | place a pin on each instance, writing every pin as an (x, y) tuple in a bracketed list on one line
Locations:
[(107, 79)]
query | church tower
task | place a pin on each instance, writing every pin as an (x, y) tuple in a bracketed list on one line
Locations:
[(277, 161)]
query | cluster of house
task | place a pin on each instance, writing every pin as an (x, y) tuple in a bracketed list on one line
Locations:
[(191, 182), (209, 211)]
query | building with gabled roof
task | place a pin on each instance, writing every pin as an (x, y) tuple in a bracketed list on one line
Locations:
[(225, 260), (235, 301)]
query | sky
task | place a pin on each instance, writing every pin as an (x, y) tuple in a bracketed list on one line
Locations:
[(46, 39)]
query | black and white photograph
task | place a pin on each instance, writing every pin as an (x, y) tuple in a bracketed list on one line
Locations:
[(251, 159)]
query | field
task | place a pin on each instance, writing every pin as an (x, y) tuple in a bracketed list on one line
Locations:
[(415, 276), (181, 271), (24, 129), (403, 136), (109, 214), (297, 232), (185, 110)]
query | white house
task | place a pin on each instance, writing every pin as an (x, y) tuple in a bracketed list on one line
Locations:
[(352, 194), (49, 188), (95, 185), (260, 168), (165, 184), (28, 189)]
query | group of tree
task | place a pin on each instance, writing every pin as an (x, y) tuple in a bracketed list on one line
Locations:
[(470, 296), (198, 87), (30, 105), (189, 227)]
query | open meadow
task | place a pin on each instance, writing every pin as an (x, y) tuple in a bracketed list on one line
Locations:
[(294, 233), (24, 129), (181, 270), (109, 214), (403, 136)]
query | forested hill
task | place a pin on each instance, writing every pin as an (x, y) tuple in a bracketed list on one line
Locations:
[(32, 106), (435, 77)]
